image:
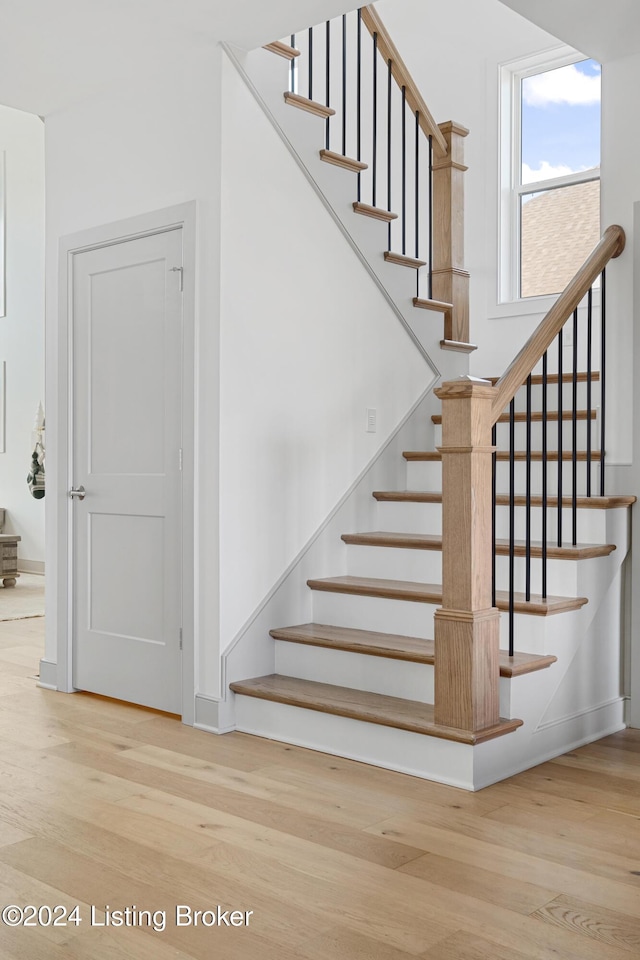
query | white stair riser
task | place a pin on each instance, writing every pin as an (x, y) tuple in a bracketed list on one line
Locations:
[(562, 575), (392, 678), (374, 613), (396, 563), (592, 526), (429, 757), (413, 619), (427, 518), (409, 517), (424, 475), (502, 440), (427, 475)]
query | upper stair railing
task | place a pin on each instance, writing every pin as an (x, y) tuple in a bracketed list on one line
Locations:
[(410, 169), (467, 628)]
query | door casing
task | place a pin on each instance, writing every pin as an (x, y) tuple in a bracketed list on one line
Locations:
[(61, 527)]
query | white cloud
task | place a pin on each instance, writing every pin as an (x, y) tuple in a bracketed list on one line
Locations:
[(564, 85), (545, 171)]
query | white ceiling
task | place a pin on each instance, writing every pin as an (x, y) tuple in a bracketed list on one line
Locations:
[(56, 52), (603, 29)]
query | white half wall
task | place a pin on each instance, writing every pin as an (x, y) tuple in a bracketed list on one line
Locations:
[(22, 329), (308, 343)]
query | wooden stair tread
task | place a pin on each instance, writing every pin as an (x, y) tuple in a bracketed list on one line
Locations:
[(401, 260), (396, 647), (536, 416), (502, 499), (282, 49), (366, 210), (339, 160), (311, 106), (434, 456), (536, 378), (427, 541), (432, 593), (438, 305), (411, 715)]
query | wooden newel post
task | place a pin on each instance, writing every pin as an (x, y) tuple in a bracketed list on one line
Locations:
[(467, 627), (450, 279)]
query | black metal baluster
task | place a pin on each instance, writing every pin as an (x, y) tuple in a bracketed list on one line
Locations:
[(404, 170), (374, 167), (494, 440), (430, 267), (603, 314), (589, 362), (310, 63), (359, 99), (344, 84), (389, 78), (328, 79), (559, 444), (527, 548), (292, 68), (512, 521), (574, 433), (544, 475)]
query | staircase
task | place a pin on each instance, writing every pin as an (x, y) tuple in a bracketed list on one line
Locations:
[(364, 678)]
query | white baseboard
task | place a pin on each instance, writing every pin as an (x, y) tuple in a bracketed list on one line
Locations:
[(31, 566), (206, 715), (48, 675)]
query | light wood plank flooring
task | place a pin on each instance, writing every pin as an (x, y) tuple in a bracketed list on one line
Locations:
[(107, 804)]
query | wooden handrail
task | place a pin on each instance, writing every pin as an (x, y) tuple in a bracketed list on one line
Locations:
[(610, 246), (403, 78)]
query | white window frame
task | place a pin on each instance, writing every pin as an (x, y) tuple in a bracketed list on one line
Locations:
[(510, 166)]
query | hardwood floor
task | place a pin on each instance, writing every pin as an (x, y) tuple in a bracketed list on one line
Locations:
[(110, 805)]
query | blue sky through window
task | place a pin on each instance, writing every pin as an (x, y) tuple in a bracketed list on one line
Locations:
[(561, 121)]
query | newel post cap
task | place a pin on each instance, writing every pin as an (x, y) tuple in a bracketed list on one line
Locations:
[(464, 387)]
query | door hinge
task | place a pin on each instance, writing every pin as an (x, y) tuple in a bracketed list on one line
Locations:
[(181, 638), (179, 270), (180, 459)]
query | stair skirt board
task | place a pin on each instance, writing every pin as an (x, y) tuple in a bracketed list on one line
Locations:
[(430, 758), (546, 742)]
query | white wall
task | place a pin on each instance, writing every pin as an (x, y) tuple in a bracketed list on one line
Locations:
[(307, 344), (620, 190), (22, 330), (140, 148)]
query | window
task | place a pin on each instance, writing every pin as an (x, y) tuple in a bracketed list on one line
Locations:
[(550, 172)]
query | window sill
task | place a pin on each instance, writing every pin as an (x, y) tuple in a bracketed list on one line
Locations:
[(531, 306)]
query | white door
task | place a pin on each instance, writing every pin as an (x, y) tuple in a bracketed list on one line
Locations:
[(127, 351)]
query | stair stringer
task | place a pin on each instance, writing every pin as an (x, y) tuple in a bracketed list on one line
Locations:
[(266, 78), (252, 651), (560, 712)]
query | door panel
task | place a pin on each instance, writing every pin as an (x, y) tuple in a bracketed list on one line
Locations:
[(127, 347)]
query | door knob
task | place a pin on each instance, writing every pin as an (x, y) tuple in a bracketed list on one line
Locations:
[(78, 492)]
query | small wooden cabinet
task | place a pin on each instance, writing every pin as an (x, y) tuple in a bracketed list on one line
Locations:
[(9, 559)]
